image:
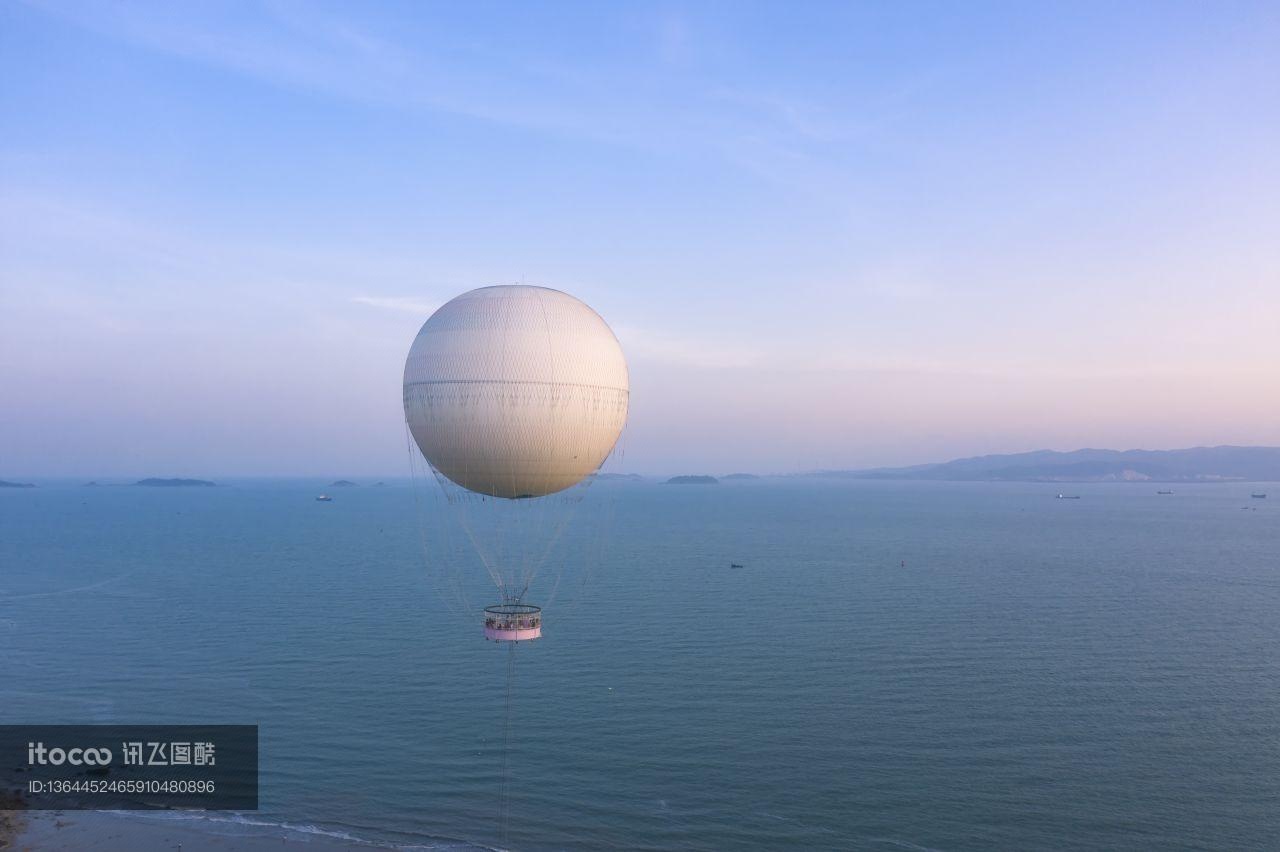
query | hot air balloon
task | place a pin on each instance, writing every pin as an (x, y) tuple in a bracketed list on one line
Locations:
[(515, 395)]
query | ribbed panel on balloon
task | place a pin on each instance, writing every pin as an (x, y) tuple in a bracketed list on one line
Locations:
[(516, 440)]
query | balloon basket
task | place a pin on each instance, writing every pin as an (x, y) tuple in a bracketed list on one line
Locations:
[(512, 622)]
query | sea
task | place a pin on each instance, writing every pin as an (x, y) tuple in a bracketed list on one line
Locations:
[(894, 666)]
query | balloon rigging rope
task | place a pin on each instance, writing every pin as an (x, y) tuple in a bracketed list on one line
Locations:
[(455, 496), (597, 542), (557, 528), (443, 575)]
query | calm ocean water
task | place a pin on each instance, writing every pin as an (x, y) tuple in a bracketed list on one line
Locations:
[(1101, 673)]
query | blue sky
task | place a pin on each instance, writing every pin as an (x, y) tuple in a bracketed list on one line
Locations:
[(827, 235)]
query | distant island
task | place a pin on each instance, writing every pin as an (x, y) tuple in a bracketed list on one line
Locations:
[(693, 480), (740, 476), (342, 483), (4, 483), (1195, 464), (175, 483)]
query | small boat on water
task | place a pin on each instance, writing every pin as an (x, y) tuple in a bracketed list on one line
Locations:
[(324, 498), (1164, 492), (734, 565), (1258, 496), (1068, 496)]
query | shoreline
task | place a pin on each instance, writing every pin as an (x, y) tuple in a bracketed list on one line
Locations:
[(130, 831)]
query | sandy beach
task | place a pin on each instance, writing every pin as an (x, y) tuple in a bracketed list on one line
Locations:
[(109, 831)]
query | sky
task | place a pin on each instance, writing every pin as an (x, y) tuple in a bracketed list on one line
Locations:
[(827, 235)]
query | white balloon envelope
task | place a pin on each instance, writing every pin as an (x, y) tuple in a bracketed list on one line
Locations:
[(515, 391)]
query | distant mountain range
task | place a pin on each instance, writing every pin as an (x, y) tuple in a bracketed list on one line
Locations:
[(1196, 464)]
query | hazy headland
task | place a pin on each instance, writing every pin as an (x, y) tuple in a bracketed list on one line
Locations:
[(1195, 464)]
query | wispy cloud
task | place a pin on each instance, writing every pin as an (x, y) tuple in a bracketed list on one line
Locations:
[(305, 48), (403, 304), (673, 106)]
